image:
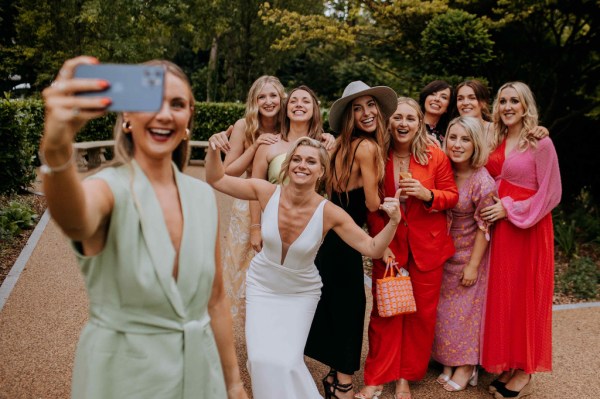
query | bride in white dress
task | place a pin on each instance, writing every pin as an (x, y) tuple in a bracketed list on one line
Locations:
[(283, 285)]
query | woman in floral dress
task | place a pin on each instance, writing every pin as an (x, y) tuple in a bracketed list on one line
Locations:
[(464, 282)]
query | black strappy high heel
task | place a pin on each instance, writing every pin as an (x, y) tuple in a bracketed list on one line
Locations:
[(327, 385), (331, 388)]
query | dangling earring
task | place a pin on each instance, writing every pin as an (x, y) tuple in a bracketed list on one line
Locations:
[(126, 127), (187, 135)]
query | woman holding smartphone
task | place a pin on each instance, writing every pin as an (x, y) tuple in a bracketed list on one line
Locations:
[(145, 236)]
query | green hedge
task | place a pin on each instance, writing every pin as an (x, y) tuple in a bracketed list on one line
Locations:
[(21, 126)]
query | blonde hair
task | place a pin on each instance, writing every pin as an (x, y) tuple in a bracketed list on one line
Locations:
[(474, 129), (309, 142), (419, 143), (252, 117), (124, 142), (343, 146), (529, 121), (316, 125)]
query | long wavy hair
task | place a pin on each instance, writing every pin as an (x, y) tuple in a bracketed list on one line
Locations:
[(316, 124), (481, 93), (419, 143), (344, 150), (124, 142), (529, 121), (252, 116)]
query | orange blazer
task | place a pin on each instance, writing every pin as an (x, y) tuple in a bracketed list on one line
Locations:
[(424, 232)]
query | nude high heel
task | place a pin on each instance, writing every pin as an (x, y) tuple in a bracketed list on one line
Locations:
[(376, 394)]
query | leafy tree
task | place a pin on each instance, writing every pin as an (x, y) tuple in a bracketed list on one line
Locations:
[(456, 43)]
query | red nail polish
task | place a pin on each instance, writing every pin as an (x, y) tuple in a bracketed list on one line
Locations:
[(103, 84), (106, 101)]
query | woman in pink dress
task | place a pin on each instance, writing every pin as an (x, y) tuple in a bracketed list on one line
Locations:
[(464, 282), (517, 338)]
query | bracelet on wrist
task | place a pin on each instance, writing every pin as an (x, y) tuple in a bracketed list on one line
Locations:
[(255, 226), (429, 202), (48, 170)]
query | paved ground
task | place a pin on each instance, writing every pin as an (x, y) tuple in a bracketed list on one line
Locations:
[(42, 318)]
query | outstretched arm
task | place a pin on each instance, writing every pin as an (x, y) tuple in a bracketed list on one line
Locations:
[(356, 237), (81, 210), (247, 189)]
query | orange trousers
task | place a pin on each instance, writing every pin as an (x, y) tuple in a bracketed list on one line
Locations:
[(400, 346)]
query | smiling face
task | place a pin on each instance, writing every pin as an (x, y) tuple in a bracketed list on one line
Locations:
[(305, 165), (365, 113), (467, 102), (404, 124), (300, 106), (156, 135), (268, 101), (437, 103), (459, 145), (510, 107)]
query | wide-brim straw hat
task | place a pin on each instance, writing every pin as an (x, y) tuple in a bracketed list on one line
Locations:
[(386, 98)]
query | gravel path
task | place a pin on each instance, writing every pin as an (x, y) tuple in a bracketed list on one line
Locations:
[(42, 318)]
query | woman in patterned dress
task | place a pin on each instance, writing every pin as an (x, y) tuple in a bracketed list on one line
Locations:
[(464, 282), (260, 125)]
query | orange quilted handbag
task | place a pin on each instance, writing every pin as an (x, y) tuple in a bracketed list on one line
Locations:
[(394, 292)]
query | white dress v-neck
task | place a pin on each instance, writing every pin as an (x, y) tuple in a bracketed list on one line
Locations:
[(281, 300)]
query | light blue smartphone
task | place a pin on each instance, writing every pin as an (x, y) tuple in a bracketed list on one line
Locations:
[(133, 88)]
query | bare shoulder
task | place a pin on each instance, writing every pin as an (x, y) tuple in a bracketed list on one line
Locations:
[(366, 150), (333, 215)]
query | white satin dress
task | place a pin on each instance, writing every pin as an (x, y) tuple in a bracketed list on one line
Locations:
[(281, 299)]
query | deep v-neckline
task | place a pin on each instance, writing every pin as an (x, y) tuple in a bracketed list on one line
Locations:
[(283, 257)]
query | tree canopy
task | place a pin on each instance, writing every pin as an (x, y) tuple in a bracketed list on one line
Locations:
[(224, 45)]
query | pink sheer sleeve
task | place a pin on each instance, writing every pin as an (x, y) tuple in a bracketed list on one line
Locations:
[(527, 213)]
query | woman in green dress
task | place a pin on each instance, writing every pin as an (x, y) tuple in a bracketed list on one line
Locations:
[(145, 236)]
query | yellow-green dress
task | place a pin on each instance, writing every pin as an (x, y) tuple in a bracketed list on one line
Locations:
[(149, 336)]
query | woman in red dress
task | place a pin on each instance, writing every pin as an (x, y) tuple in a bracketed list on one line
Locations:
[(400, 346), (517, 340)]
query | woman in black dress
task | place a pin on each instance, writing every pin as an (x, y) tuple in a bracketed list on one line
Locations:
[(356, 171)]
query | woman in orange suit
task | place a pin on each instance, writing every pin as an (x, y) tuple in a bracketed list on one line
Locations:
[(400, 346)]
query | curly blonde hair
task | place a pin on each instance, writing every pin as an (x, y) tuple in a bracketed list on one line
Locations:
[(251, 116), (529, 121)]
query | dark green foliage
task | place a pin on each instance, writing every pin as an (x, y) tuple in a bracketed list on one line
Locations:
[(577, 224), (22, 124), (456, 43), (210, 118), (14, 218), (20, 129), (580, 279)]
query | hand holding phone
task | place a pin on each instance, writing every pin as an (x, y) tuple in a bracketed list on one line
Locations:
[(133, 88)]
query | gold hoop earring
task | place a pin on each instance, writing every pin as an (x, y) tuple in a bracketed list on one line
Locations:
[(187, 135), (126, 127)]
